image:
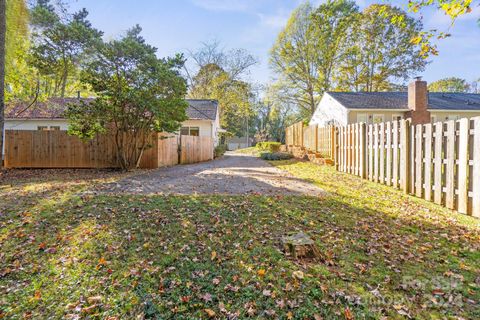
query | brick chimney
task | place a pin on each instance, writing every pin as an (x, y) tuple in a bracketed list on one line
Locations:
[(418, 102)]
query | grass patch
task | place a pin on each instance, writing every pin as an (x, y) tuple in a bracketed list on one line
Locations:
[(67, 254)]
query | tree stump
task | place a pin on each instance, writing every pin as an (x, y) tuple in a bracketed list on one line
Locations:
[(300, 246)]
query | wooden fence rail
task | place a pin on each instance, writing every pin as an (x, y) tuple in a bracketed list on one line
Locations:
[(57, 149), (437, 162)]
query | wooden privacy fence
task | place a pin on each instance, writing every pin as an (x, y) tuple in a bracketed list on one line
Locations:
[(437, 162), (195, 149), (313, 138), (57, 149), (294, 134)]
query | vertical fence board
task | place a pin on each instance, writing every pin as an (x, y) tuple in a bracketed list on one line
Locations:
[(428, 162), (438, 164), (419, 160), (464, 134), (450, 167), (389, 154), (476, 169), (382, 153), (375, 153), (396, 158), (412, 166), (363, 151), (404, 156), (370, 152)]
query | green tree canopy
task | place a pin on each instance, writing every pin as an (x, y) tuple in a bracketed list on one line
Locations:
[(137, 93), (381, 50), (451, 84), (219, 76), (19, 76), (59, 45), (336, 47), (452, 8)]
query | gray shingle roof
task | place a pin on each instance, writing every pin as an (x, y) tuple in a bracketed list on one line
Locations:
[(399, 100), (54, 108), (202, 109)]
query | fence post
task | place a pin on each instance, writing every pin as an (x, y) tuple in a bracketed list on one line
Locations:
[(363, 150), (404, 155)]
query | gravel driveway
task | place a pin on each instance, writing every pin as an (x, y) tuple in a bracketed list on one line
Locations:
[(231, 174)]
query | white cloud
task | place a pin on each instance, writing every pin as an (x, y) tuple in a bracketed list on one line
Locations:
[(275, 21), (224, 5)]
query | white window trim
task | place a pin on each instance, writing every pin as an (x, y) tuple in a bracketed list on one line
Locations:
[(395, 115), (190, 128)]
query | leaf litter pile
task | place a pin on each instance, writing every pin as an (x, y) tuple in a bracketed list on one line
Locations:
[(74, 255)]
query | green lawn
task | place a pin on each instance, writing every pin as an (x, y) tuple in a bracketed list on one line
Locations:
[(187, 257)]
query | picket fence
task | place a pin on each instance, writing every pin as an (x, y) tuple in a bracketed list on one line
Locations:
[(57, 149), (438, 162)]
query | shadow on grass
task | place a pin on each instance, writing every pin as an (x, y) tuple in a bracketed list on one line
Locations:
[(164, 257)]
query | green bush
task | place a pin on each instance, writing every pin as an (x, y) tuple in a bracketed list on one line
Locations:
[(276, 156), (220, 150), (269, 146)]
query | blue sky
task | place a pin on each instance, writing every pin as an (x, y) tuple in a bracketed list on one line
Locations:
[(180, 25)]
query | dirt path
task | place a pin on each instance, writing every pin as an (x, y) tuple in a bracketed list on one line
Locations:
[(232, 174)]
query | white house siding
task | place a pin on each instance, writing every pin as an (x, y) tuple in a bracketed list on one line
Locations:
[(329, 111), (33, 124), (388, 115), (444, 115), (205, 126), (208, 128), (370, 115)]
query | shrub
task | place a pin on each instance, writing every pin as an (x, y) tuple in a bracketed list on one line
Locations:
[(274, 156), (220, 150), (269, 146)]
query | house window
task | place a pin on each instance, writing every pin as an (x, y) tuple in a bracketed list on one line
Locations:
[(452, 117), (184, 131), (433, 119), (55, 128), (42, 128), (190, 131), (362, 118), (194, 131), (397, 117), (378, 118)]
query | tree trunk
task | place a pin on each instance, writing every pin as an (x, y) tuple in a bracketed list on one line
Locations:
[(3, 30)]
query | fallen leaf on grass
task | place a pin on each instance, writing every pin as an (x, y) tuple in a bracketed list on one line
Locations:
[(37, 295), (90, 309), (210, 313), (348, 314), (94, 299)]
